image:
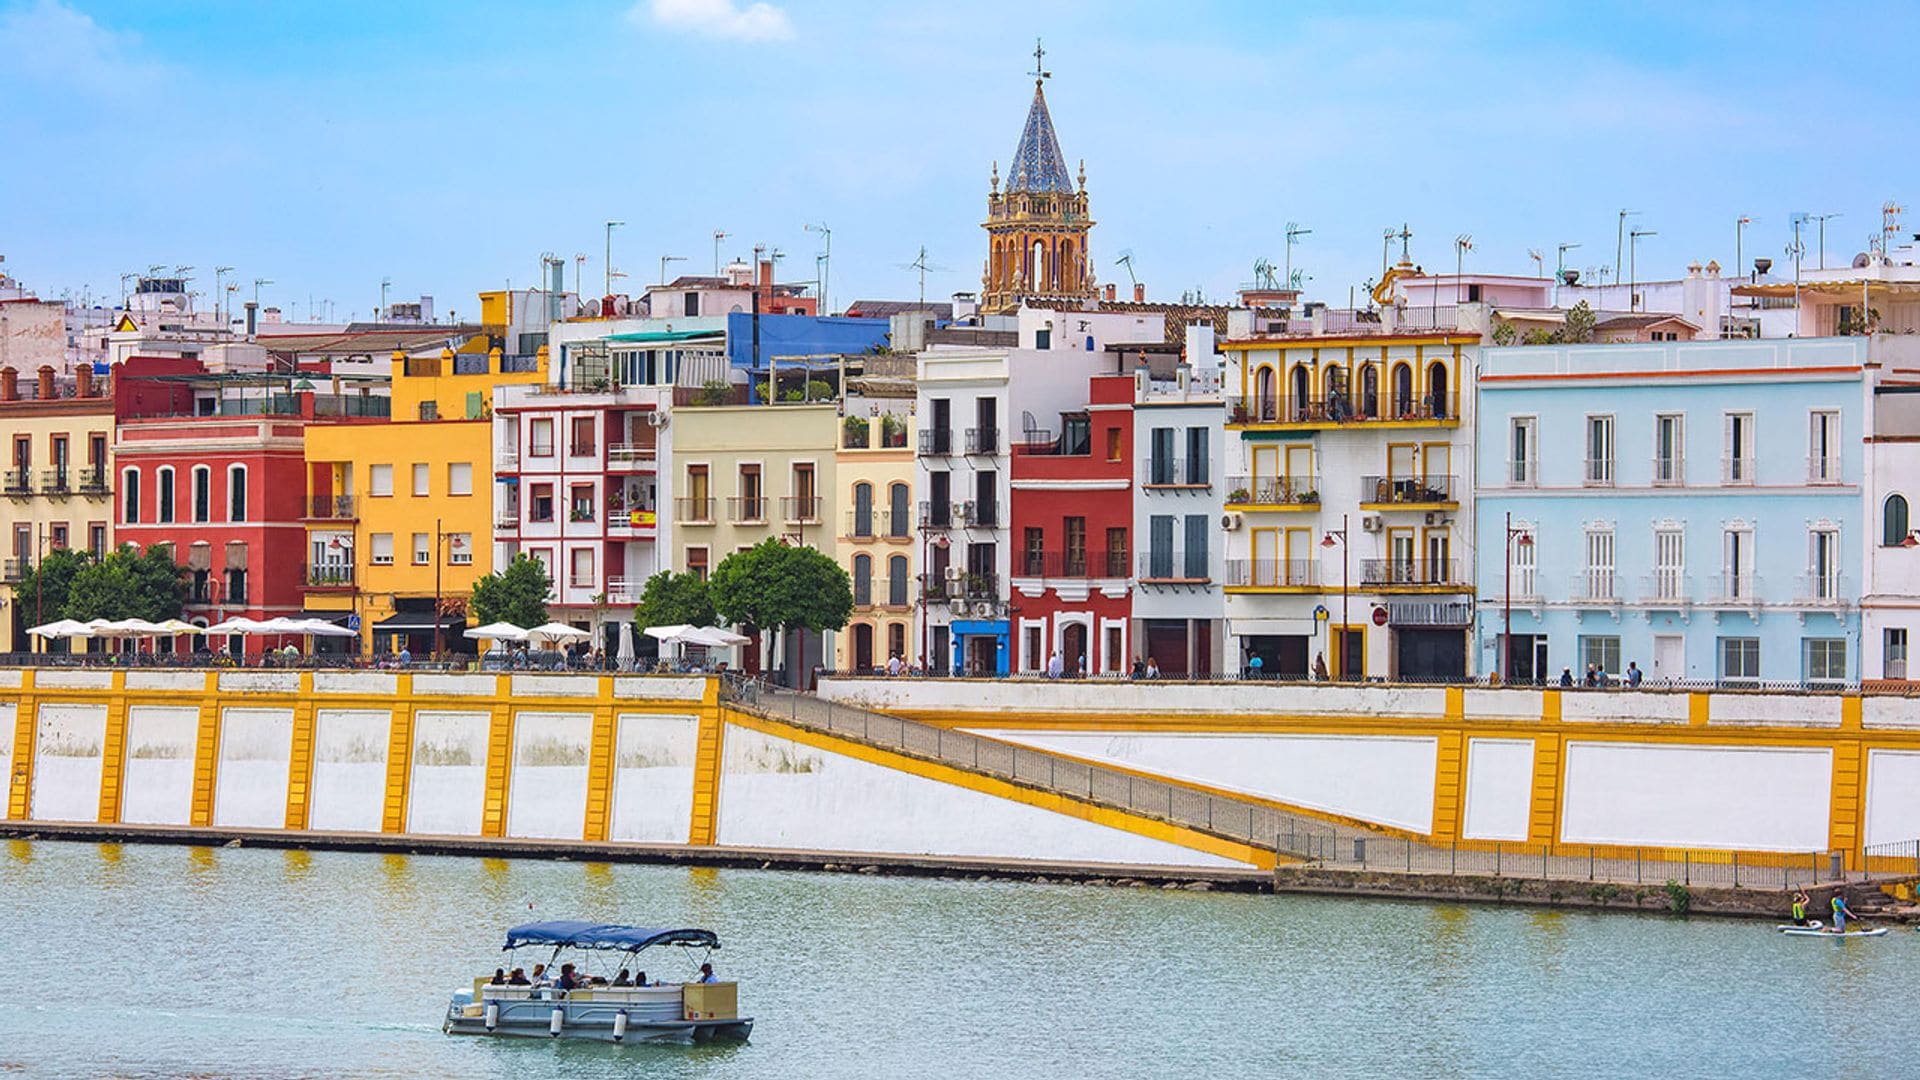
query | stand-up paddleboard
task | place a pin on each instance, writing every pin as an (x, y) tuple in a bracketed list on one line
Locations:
[(1810, 924), (1799, 931)]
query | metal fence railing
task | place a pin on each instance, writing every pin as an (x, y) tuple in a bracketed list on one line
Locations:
[(1613, 865)]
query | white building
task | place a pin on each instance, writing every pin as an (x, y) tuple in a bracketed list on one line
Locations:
[(1890, 596)]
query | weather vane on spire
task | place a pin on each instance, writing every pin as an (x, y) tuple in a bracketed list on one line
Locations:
[(1039, 56)]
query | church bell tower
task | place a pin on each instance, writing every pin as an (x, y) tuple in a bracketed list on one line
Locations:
[(1037, 228)]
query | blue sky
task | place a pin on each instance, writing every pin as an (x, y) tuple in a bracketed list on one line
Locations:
[(447, 146)]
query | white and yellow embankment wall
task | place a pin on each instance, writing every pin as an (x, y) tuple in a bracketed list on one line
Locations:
[(653, 760), (1705, 772)]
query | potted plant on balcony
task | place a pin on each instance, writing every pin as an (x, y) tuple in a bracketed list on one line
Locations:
[(714, 392), (580, 513), (856, 432), (1239, 495), (893, 431), (1308, 498)]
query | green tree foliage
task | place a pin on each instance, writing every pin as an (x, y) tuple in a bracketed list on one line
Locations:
[(128, 584), (669, 599), (1578, 327), (772, 585), (516, 594), (1504, 333), (42, 591)]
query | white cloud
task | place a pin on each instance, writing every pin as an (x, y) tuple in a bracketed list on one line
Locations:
[(757, 21), (49, 42)]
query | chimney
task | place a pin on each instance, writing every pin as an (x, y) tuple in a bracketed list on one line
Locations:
[(46, 382), (1139, 293), (83, 380), (9, 385), (1112, 292), (766, 273)]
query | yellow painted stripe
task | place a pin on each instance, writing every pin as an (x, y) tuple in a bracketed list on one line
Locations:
[(113, 755), (600, 776), (1544, 822), (1061, 804), (393, 817), (300, 757), (1550, 706), (1699, 709), (206, 759), (1456, 704), (493, 816), (704, 827), (1449, 786), (1844, 815), (25, 725), (1850, 710)]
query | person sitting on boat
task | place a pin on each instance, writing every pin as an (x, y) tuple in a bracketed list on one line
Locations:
[(540, 975), (625, 978), (1800, 903), (518, 978), (1841, 913), (499, 977), (640, 979), (568, 980), (706, 974)]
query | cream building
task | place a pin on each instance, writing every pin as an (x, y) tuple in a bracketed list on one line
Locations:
[(873, 479), (56, 490)]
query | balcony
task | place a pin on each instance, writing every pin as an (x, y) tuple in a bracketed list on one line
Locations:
[(1072, 564), (983, 440), (1523, 472), (1409, 493), (332, 508), (1669, 472), (623, 591), (937, 442), (583, 450), (979, 515), (1825, 470), (93, 481), (12, 570), (506, 460), (507, 521), (1667, 589), (800, 509), (1274, 492), (1414, 575), (1174, 472), (878, 524), (632, 522), (53, 482), (958, 584), (1737, 471), (1595, 587), (936, 515), (693, 511), (1343, 410), (17, 482), (1598, 472), (631, 457), (1735, 590), (328, 576), (747, 510), (1828, 590), (1276, 575)]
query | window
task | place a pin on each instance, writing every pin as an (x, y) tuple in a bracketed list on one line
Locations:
[(540, 438), (1823, 447), (986, 488), (1737, 463), (382, 549), (23, 452), (1601, 651), (1160, 546), (1739, 660), (1823, 564), (1669, 449), (422, 481), (1160, 463), (580, 572), (236, 493), (1737, 564), (1034, 552), (899, 497), (202, 493), (1599, 450), (57, 537), (699, 507), (1116, 554), (460, 478), (540, 503), (1520, 460), (1525, 563), (940, 498), (1115, 444), (97, 541), (697, 562), (130, 496), (1825, 660), (752, 506), (459, 549), (380, 480), (1197, 456), (581, 445), (580, 502), (1599, 577), (862, 580), (163, 495), (1198, 526), (862, 510), (1893, 652), (236, 587), (1075, 531), (1669, 564), (692, 305), (897, 581), (422, 548), (1895, 526)]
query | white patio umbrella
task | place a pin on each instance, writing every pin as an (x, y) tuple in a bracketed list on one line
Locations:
[(62, 628), (625, 655), (238, 625), (554, 633), (720, 635), (323, 628), (175, 626), (496, 632), (133, 628), (668, 633)]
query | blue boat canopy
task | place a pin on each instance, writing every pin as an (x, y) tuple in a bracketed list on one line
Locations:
[(580, 934)]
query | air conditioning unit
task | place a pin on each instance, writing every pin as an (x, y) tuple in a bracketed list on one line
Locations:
[(657, 419), (1370, 523), (1231, 522), (1433, 517), (955, 573), (983, 609)]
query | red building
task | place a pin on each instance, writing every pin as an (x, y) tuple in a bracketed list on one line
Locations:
[(1072, 516), (214, 465)]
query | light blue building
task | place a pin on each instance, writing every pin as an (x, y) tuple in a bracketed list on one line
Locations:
[(1693, 508)]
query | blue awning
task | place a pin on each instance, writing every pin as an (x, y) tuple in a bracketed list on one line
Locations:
[(580, 934)]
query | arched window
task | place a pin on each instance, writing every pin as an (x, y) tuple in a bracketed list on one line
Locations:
[(1339, 405), (1895, 525), (1037, 270), (1263, 390), (863, 509), (130, 496), (899, 498), (862, 580), (1302, 391), (1065, 265), (1402, 389), (897, 640), (236, 493), (897, 581), (1370, 391), (862, 648), (1437, 390), (202, 493), (163, 494)]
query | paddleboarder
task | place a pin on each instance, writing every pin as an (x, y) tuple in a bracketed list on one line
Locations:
[(1800, 902), (1841, 913)]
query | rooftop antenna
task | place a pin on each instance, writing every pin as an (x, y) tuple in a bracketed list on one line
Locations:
[(718, 235), (611, 225), (1633, 266), (257, 282), (921, 264), (1539, 262), (664, 260), (823, 262), (1620, 240), (1821, 221), (1294, 233), (1461, 245), (382, 312), (1890, 212), (1739, 237), (1560, 270), (220, 292), (1263, 275), (1126, 260), (1798, 250), (579, 264)]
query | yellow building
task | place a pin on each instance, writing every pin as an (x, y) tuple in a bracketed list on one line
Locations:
[(399, 515), (874, 482), (57, 487)]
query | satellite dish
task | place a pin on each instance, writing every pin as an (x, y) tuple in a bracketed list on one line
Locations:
[(1862, 261), (1761, 266), (1570, 276)]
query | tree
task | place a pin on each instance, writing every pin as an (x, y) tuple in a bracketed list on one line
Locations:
[(669, 599), (1578, 327), (517, 594), (774, 586), (41, 594), (128, 584)]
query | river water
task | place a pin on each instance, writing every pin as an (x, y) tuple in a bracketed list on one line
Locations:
[(143, 960)]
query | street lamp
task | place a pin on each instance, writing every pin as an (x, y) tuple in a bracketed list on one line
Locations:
[(1332, 537), (926, 617), (1523, 537)]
